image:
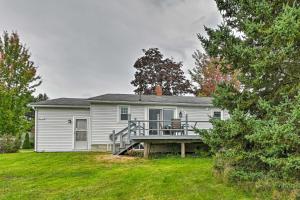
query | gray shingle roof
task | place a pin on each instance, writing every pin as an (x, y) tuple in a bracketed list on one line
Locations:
[(132, 98), (63, 102), (126, 98)]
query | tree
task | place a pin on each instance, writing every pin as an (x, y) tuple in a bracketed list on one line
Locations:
[(41, 97), (30, 113), (152, 70), (18, 80), (207, 75), (261, 40)]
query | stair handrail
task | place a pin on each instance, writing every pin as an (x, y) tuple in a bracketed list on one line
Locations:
[(117, 134), (132, 124)]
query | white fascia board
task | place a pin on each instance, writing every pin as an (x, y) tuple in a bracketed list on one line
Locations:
[(57, 106), (151, 103)]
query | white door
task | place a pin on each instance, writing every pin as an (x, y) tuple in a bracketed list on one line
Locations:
[(81, 134)]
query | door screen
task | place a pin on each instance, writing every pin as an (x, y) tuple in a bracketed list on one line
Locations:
[(81, 134)]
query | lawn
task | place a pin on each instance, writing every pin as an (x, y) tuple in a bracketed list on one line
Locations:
[(30, 175)]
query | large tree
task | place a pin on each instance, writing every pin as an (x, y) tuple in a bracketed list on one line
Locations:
[(18, 80), (153, 69), (260, 39), (207, 75)]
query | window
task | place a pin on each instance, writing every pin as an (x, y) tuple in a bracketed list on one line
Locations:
[(123, 113), (217, 115)]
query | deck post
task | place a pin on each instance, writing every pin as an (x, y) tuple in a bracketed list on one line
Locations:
[(129, 128), (121, 141), (146, 149), (135, 120), (158, 124), (139, 127), (186, 124), (114, 141), (182, 150)]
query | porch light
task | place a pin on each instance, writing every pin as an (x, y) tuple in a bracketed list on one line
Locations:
[(180, 114), (69, 121)]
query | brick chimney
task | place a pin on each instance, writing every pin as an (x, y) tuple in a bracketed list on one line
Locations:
[(158, 90)]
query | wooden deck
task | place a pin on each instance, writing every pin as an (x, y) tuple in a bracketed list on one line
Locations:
[(167, 138), (150, 132)]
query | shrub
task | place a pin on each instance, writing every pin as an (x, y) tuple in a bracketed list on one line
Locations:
[(9, 143), (26, 143)]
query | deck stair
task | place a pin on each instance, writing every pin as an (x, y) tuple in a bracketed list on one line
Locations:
[(121, 139), (127, 147)]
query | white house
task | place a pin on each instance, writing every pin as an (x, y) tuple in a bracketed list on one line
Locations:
[(72, 124)]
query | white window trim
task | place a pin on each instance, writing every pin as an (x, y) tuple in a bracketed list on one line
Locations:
[(119, 112), (216, 110)]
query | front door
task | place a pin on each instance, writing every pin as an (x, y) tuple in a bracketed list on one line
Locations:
[(81, 134)]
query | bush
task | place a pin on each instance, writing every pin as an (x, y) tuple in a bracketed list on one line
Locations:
[(26, 143), (9, 144)]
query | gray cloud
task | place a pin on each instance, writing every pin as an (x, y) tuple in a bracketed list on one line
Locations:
[(86, 48)]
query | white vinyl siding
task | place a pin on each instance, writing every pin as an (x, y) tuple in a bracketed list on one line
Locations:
[(198, 114), (105, 119), (54, 132)]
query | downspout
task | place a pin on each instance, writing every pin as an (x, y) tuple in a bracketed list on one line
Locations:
[(35, 129)]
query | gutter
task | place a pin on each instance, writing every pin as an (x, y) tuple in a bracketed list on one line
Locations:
[(121, 102), (56, 106), (151, 103)]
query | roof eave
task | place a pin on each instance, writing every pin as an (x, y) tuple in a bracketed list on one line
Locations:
[(57, 106), (151, 103)]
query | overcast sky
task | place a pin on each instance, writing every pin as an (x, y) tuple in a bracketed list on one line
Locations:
[(85, 48)]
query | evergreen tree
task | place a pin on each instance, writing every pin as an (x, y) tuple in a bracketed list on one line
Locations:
[(260, 142), (260, 39)]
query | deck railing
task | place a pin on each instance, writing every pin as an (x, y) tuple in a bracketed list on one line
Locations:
[(144, 128), (165, 127)]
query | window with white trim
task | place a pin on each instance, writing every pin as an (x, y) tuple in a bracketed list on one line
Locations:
[(124, 111), (217, 115)]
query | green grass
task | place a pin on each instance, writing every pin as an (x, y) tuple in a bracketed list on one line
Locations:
[(29, 175)]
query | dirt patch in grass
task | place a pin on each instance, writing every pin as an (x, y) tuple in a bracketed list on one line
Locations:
[(115, 158)]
